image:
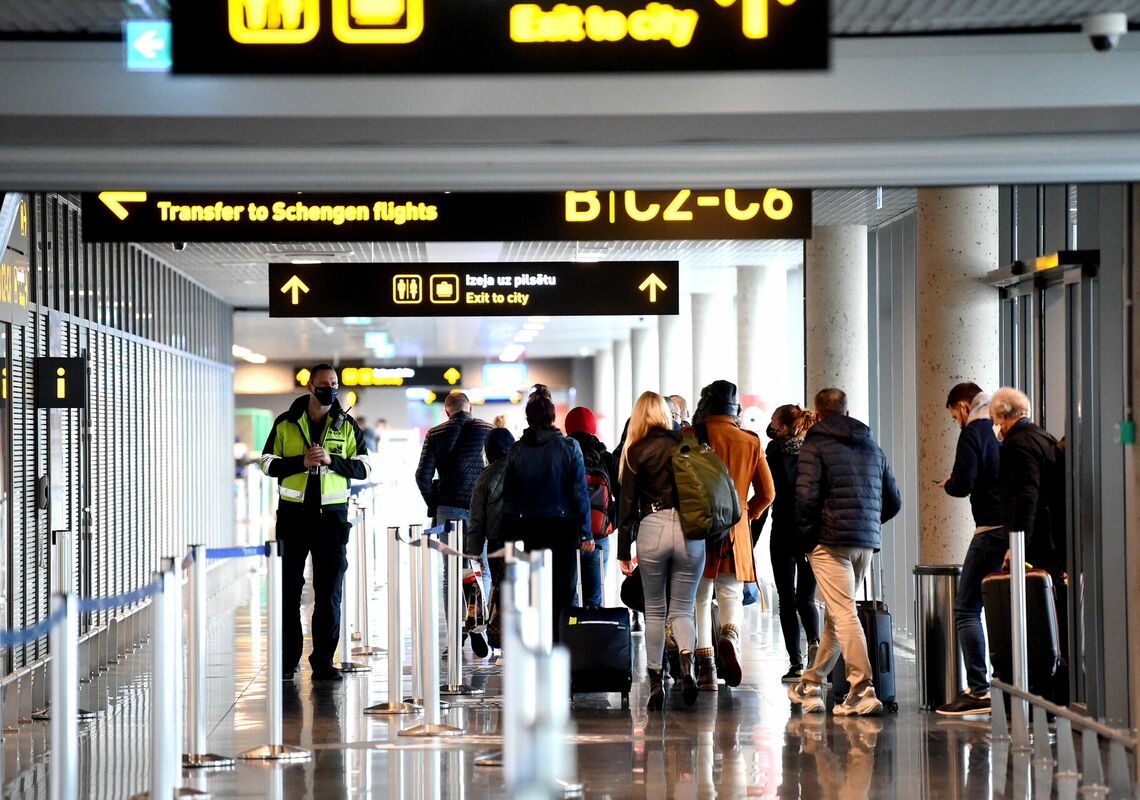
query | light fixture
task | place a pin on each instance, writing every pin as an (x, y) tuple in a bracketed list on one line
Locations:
[(305, 261), (358, 320), (583, 351), (543, 320), (533, 326), (248, 355), (589, 256), (512, 352), (526, 336)]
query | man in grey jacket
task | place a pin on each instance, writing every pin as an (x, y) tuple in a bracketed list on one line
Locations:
[(845, 491)]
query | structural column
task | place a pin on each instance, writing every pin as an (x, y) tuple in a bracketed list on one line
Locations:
[(714, 344), (675, 345), (603, 403), (761, 332), (644, 360), (835, 315), (623, 385), (957, 340)]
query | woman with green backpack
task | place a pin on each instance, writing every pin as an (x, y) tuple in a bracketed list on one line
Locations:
[(670, 564)]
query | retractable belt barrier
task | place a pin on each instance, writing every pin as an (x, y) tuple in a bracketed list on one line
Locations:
[(395, 581)]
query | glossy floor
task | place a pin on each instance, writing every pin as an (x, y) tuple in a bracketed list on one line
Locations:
[(746, 742)]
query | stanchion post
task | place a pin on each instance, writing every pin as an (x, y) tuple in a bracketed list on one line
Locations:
[(64, 641), (349, 609), (395, 705), (429, 646), (162, 769), (363, 590), (1019, 722), (542, 599), (456, 614), (196, 756), (276, 750)]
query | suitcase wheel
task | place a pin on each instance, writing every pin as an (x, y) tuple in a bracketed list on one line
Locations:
[(624, 700), (892, 707)]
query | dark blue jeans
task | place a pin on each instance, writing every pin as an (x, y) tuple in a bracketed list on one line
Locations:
[(986, 553), (594, 571)]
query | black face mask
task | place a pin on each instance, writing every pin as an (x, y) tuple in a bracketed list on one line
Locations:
[(324, 394), (771, 432)]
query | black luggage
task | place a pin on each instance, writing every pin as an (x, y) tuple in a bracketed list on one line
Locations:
[(878, 630), (601, 653), (1041, 625)]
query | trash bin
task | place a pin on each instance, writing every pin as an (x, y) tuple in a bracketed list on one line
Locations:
[(938, 664)]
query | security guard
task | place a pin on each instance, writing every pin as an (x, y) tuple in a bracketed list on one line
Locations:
[(313, 450)]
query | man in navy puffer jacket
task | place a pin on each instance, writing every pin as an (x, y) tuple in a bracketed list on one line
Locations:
[(845, 491)]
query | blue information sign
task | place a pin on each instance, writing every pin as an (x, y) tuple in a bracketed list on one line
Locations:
[(147, 45)]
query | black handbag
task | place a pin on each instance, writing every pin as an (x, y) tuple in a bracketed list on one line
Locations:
[(633, 592)]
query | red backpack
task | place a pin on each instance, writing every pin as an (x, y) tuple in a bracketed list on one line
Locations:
[(601, 500)]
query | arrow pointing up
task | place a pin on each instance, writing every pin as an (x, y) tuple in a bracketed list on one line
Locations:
[(451, 376), (294, 284), (652, 283), (115, 200)]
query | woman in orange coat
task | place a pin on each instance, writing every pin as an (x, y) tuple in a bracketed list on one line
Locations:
[(729, 564)]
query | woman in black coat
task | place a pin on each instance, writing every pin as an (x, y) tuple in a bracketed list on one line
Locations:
[(795, 582)]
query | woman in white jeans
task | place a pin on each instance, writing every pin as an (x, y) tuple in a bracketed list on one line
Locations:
[(670, 564)]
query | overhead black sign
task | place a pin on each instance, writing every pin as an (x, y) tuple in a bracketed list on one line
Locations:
[(61, 382), (575, 215), (406, 375), (472, 290), (464, 36)]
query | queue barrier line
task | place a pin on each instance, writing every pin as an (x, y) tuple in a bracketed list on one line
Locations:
[(237, 552)]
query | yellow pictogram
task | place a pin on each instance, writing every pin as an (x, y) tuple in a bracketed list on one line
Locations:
[(115, 200), (407, 289), (274, 21), (444, 289), (755, 16), (653, 284), (295, 285), (303, 377), (377, 21), (452, 376), (23, 217), (61, 384)]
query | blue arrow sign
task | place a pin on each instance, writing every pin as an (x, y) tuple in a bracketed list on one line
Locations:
[(147, 45)]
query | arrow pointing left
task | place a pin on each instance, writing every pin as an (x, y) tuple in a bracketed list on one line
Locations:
[(294, 285), (115, 200), (150, 44)]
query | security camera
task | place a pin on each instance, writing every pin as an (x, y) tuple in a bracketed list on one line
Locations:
[(178, 246), (1105, 30)]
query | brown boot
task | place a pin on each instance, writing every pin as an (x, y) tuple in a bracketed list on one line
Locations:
[(706, 670), (728, 647), (688, 680), (656, 690)]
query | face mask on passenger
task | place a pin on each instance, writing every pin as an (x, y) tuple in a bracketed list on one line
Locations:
[(324, 394), (771, 431), (997, 432)]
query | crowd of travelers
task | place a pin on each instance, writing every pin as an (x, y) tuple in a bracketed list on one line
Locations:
[(822, 478)]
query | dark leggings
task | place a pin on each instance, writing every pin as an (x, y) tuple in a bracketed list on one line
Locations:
[(796, 597)]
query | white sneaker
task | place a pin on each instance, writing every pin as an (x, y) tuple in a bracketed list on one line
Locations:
[(866, 706), (807, 695)]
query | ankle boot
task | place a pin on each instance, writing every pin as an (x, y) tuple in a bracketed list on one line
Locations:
[(706, 672), (673, 659), (728, 647), (656, 691), (688, 679)]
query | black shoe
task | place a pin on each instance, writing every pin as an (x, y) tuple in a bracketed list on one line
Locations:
[(327, 673), (673, 659), (793, 673), (689, 689), (656, 691), (288, 673), (967, 703), (479, 645)]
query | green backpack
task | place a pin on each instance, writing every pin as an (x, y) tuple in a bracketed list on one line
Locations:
[(708, 503)]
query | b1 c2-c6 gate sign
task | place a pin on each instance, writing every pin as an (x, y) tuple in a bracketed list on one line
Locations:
[(573, 215), (483, 289), (466, 36)]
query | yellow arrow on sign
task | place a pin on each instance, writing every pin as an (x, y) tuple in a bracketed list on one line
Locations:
[(294, 284), (115, 200), (652, 283), (452, 376)]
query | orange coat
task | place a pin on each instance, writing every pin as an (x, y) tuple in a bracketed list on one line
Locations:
[(741, 452)]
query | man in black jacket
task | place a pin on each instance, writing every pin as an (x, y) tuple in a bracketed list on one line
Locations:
[(975, 475), (454, 449), (845, 491)]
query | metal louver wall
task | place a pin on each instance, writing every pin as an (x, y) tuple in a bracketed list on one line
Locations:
[(148, 466)]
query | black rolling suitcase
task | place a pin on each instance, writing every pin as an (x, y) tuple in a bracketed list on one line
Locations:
[(601, 654), (878, 630), (1041, 625)]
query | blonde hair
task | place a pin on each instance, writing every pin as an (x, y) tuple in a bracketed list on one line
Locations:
[(650, 411)]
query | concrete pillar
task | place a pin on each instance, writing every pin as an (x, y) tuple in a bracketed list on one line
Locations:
[(644, 360), (957, 340), (623, 385), (604, 407), (761, 334), (714, 342), (835, 316), (675, 343)]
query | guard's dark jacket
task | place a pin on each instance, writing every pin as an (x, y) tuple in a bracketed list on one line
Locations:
[(845, 489), (455, 450)]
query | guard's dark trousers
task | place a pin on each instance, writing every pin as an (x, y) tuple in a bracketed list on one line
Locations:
[(324, 535)]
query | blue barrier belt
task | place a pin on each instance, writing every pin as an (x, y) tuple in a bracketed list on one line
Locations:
[(237, 552)]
